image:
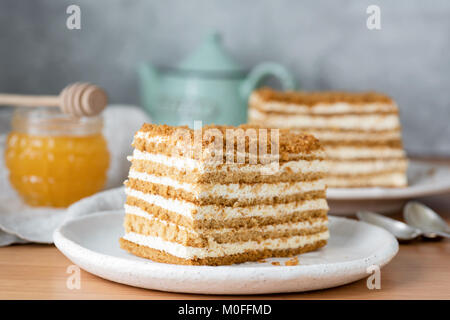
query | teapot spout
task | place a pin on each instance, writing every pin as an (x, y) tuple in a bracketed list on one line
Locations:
[(149, 81)]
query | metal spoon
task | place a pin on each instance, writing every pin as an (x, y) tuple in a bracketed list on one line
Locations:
[(400, 230), (420, 216)]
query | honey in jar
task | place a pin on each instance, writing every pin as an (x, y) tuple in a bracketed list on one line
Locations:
[(54, 159)]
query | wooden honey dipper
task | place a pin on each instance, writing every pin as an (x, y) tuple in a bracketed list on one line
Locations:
[(78, 100)]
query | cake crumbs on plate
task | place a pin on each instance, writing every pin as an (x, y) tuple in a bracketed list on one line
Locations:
[(292, 262)]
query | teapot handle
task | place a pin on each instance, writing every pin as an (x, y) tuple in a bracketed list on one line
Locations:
[(262, 71)]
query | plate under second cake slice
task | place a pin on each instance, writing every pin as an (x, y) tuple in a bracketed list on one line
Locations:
[(224, 195)]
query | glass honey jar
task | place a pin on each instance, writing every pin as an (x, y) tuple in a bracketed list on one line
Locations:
[(54, 159)]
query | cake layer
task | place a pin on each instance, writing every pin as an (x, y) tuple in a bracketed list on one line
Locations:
[(224, 249), (141, 222), (356, 138), (293, 160), (372, 122), (232, 194), (323, 134), (193, 211), (392, 144), (312, 99), (395, 179), (217, 142), (355, 135), (164, 146), (362, 167), (250, 255), (267, 214), (286, 172), (351, 152), (320, 108)]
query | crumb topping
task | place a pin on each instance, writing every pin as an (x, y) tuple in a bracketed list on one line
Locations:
[(289, 142), (311, 98)]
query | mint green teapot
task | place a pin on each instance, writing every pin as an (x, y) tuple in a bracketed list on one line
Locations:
[(208, 86)]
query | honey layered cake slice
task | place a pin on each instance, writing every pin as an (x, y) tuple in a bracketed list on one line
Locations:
[(224, 195), (360, 132)]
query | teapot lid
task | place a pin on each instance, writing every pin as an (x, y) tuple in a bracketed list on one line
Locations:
[(211, 59)]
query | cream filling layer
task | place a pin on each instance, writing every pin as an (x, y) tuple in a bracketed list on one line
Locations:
[(363, 152), (133, 210), (151, 138), (184, 163), (233, 190), (359, 122), (365, 167), (320, 108), (223, 249), (188, 209)]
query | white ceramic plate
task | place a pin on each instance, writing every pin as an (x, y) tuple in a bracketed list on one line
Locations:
[(91, 242), (425, 179)]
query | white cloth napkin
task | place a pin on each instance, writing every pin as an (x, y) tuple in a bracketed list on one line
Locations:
[(20, 223)]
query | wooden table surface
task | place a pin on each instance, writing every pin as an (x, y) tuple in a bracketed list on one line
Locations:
[(421, 270)]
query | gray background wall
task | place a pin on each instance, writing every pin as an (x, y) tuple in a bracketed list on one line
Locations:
[(325, 43)]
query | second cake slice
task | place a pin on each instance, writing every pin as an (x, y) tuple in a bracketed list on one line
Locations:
[(360, 132)]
